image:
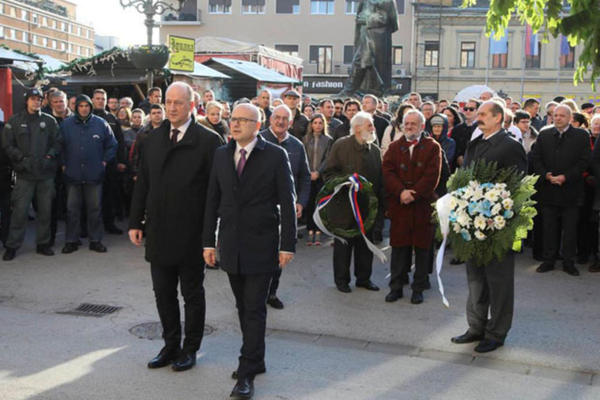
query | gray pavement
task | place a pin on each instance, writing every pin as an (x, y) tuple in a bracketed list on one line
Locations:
[(323, 345)]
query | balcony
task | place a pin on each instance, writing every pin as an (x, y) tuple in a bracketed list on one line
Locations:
[(190, 14)]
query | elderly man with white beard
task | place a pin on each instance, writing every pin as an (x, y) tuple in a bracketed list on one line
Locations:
[(355, 153)]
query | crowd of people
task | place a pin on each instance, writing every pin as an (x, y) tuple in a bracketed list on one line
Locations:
[(175, 169)]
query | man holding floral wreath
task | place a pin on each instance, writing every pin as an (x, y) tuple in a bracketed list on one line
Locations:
[(491, 286)]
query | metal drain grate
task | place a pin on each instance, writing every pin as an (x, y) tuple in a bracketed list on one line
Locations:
[(92, 310)]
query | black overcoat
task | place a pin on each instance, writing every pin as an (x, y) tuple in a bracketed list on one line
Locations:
[(170, 193), (249, 233)]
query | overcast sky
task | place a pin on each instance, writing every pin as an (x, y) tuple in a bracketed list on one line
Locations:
[(109, 18)]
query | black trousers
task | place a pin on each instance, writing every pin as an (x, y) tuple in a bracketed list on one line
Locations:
[(342, 256), (110, 195), (250, 292), (491, 287), (275, 282), (401, 263), (190, 277), (568, 218), (5, 192)]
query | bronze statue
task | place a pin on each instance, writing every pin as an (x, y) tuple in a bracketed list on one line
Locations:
[(371, 71)]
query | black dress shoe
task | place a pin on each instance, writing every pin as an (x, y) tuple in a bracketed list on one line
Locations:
[(184, 361), (113, 230), (243, 389), (9, 254), (545, 267), (165, 357), (467, 337), (44, 249), (260, 371), (427, 285), (69, 248), (393, 296), (274, 302), (487, 345), (368, 285), (345, 288), (456, 261), (98, 247), (595, 267), (417, 297), (571, 270)]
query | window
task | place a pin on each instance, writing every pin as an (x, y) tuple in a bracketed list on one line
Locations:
[(253, 6), (533, 60), (322, 56), (13, 12), (432, 51), (70, 47), (467, 54), (321, 7), (291, 49), (348, 54), (78, 50), (352, 6), (53, 24), (44, 21), (78, 31), (400, 7), (1, 31), (25, 37), (2, 10), (45, 42), (24, 15), (34, 18), (54, 44), (219, 6), (62, 46), (34, 39), (287, 7), (88, 34), (397, 55), (63, 27)]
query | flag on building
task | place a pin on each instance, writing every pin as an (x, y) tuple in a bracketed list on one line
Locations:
[(531, 42), (565, 47), (499, 46)]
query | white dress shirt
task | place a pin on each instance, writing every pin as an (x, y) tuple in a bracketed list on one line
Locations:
[(249, 147), (182, 129)]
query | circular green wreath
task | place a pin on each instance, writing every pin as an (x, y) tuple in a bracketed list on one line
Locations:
[(366, 190)]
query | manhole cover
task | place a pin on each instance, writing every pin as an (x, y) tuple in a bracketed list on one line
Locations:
[(92, 310), (153, 330)]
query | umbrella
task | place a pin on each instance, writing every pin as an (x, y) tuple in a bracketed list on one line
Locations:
[(471, 92)]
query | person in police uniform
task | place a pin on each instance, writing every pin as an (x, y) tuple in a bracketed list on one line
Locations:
[(31, 140)]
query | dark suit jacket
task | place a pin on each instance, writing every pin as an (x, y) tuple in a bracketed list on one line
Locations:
[(249, 237), (501, 148), (380, 125), (569, 155), (170, 193)]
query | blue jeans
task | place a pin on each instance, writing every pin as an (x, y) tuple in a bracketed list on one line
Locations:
[(91, 194)]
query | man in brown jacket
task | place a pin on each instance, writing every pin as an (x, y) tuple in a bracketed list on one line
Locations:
[(411, 172), (350, 154)]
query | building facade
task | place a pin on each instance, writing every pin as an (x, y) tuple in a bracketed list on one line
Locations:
[(452, 52), (321, 32), (45, 27)]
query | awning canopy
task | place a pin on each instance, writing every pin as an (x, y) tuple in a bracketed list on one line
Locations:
[(10, 55), (216, 45), (119, 79), (253, 70), (202, 71)]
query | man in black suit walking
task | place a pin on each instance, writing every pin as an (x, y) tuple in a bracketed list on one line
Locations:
[(491, 286), (249, 179), (170, 194), (560, 156)]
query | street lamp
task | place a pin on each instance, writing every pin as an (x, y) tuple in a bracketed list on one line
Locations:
[(150, 8)]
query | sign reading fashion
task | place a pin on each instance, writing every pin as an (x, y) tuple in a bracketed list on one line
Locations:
[(182, 53)]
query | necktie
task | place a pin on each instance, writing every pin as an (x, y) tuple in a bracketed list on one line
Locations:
[(241, 163), (174, 134), (412, 142)]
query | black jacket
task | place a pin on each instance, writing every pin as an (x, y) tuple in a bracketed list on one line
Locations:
[(299, 126), (568, 155), (170, 193), (249, 233), (32, 142), (121, 156), (380, 125), (501, 148), (5, 168)]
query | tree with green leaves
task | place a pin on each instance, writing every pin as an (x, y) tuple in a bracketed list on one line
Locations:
[(578, 20)]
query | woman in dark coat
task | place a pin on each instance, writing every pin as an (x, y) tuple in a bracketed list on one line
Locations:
[(317, 143), (213, 119), (439, 131)]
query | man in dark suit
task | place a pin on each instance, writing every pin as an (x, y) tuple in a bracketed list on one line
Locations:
[(560, 156), (369, 104), (249, 179), (491, 286), (170, 194)]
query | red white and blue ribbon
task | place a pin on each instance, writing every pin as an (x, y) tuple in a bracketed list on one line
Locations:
[(355, 187)]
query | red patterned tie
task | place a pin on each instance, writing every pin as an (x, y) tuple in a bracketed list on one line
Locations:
[(412, 142), (241, 163)]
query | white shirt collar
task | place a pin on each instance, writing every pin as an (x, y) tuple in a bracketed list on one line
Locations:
[(249, 147), (287, 135), (491, 136), (182, 129)]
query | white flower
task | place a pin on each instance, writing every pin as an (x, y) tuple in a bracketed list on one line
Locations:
[(479, 222), (462, 204), (453, 202), (463, 219), (456, 227), (496, 209), (499, 222), (507, 203), (492, 195), (479, 235), (478, 194)]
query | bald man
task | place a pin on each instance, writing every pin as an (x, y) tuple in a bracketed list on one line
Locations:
[(168, 199), (560, 156), (250, 177)]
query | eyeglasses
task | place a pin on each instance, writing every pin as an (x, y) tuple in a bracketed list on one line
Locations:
[(469, 108), (242, 120)]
